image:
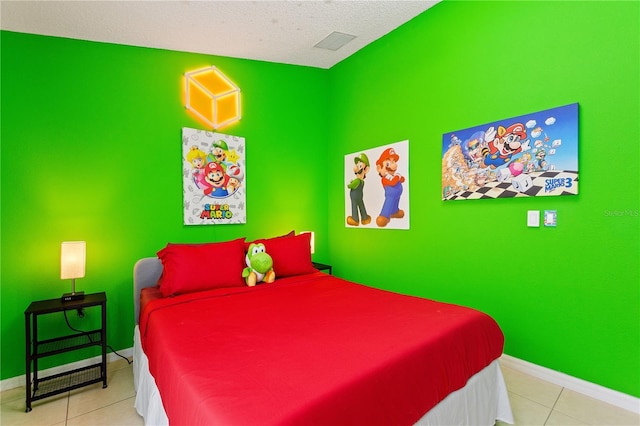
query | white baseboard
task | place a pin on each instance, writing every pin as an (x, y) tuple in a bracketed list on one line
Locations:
[(15, 382), (610, 396)]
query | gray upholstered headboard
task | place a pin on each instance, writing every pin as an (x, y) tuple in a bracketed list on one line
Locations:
[(146, 273)]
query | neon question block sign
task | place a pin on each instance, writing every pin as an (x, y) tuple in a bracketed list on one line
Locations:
[(212, 97)]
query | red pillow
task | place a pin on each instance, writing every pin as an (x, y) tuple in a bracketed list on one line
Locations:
[(264, 240), (196, 267), (291, 255)]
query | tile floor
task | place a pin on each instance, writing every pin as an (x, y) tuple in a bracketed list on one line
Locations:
[(90, 405), (534, 402)]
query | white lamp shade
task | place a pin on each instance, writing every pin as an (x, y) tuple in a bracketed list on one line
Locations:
[(313, 242), (72, 259)]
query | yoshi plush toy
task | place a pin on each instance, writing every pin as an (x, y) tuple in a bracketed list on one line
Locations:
[(259, 266)]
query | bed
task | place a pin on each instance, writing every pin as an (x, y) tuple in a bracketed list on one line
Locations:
[(306, 349)]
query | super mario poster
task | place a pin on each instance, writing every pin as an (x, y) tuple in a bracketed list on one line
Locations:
[(214, 178), (377, 187), (531, 155)]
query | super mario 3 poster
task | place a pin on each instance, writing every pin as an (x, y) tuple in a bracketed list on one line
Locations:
[(531, 155), (214, 178), (377, 187)]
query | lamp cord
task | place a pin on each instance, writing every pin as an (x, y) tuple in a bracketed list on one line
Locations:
[(89, 337)]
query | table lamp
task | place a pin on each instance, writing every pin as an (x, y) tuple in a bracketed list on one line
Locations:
[(313, 240), (72, 261)]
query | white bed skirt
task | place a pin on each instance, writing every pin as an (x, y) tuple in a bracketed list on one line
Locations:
[(484, 397)]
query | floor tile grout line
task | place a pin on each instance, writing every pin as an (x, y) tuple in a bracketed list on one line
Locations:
[(557, 398), (532, 399), (66, 413), (99, 408), (553, 407)]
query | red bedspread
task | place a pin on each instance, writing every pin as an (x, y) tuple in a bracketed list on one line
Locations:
[(311, 350)]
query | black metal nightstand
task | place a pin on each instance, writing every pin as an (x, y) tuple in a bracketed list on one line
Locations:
[(35, 349), (322, 267)]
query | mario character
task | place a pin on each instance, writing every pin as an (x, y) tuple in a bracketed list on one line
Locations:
[(259, 266), (216, 181), (387, 166), (503, 144), (356, 187)]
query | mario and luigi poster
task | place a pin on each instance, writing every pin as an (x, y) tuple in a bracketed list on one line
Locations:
[(527, 156), (377, 187), (213, 177)]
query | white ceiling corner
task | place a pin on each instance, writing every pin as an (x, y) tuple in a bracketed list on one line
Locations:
[(284, 31)]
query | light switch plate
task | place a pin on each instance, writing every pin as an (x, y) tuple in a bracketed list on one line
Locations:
[(533, 218)]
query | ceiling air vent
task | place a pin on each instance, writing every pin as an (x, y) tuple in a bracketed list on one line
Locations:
[(335, 41)]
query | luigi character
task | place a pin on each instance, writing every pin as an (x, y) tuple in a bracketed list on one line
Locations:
[(356, 186), (218, 153)]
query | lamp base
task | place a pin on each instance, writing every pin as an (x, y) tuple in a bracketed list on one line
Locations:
[(70, 297)]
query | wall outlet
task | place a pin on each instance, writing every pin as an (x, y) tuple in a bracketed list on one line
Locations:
[(550, 217)]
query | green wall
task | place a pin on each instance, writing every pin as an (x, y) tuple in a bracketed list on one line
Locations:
[(91, 150), (567, 298)]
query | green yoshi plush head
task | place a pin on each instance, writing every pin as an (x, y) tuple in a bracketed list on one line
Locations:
[(259, 266)]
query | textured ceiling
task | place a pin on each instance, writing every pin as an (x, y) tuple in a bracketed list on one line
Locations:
[(274, 31)]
